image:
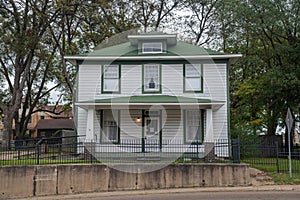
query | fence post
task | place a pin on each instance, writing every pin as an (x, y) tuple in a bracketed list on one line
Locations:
[(38, 153), (38, 150), (236, 150), (198, 151), (277, 157)]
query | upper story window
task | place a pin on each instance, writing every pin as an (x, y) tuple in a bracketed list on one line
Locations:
[(192, 78), (152, 78), (111, 79), (152, 47)]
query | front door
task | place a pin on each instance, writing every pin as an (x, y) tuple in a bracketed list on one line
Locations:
[(152, 134)]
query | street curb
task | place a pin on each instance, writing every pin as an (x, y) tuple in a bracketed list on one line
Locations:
[(170, 190)]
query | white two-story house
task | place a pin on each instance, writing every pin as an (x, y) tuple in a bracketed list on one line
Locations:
[(152, 91)]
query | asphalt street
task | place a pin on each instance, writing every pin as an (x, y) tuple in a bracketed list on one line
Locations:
[(274, 192), (240, 195)]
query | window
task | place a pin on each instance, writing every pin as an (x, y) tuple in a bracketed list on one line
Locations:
[(111, 79), (194, 126), (152, 48), (193, 78), (110, 129), (151, 76)]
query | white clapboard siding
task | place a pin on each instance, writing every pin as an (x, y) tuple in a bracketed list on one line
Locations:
[(172, 79), (214, 78), (129, 128), (214, 87), (214, 81), (97, 128), (131, 80), (220, 123), (89, 82), (81, 121), (172, 125)]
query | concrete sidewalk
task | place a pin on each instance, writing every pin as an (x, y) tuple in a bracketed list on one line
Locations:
[(162, 191)]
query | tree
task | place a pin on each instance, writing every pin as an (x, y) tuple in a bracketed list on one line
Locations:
[(266, 80), (25, 57), (35, 37), (151, 13), (198, 21), (81, 26)]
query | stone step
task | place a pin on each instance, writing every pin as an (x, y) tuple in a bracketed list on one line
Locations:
[(259, 177)]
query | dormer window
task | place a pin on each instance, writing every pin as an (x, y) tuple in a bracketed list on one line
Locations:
[(152, 47)]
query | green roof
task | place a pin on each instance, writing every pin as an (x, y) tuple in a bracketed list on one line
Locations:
[(125, 49), (151, 99)]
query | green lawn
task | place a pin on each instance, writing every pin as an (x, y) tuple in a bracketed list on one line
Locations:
[(269, 166)]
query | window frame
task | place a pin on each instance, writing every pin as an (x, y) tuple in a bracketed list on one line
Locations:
[(201, 126), (147, 90), (102, 133), (103, 90), (185, 90), (153, 43)]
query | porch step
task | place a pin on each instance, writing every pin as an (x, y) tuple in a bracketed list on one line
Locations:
[(149, 157)]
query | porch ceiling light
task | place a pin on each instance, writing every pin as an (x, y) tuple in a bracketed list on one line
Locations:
[(138, 119)]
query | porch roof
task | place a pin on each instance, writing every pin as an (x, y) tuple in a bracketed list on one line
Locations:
[(150, 100)]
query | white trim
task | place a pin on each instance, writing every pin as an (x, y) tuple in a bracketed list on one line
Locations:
[(90, 124), (128, 58), (209, 135)]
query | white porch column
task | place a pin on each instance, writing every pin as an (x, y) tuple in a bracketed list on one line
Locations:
[(209, 135), (90, 125)]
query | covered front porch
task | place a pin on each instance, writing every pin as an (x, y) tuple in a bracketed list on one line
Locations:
[(168, 127)]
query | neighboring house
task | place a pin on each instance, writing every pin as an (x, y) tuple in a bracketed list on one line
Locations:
[(53, 127), (153, 90), (45, 123), (52, 123)]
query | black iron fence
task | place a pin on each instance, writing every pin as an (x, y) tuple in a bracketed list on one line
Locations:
[(63, 150), (273, 157), (41, 151)]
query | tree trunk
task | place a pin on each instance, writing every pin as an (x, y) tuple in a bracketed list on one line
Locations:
[(8, 128)]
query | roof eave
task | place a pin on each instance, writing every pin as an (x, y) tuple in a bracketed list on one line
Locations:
[(87, 105), (73, 59)]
